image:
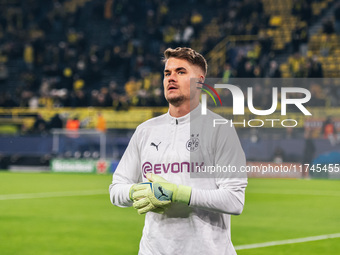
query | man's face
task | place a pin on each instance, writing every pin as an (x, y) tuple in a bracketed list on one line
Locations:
[(177, 75)]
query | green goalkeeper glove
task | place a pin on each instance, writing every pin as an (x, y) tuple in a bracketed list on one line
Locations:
[(157, 194), (148, 196), (176, 193)]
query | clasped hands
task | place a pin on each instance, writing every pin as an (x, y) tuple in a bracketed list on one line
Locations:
[(157, 194)]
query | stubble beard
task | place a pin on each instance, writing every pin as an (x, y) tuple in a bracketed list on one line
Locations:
[(175, 101)]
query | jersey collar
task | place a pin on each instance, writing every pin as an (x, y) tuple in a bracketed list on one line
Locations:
[(186, 118)]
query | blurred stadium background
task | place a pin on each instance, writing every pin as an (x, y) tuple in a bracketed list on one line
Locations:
[(78, 76), (96, 65)]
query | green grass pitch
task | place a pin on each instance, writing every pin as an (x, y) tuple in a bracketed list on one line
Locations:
[(276, 209)]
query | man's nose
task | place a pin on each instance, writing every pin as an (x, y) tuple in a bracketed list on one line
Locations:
[(172, 77)]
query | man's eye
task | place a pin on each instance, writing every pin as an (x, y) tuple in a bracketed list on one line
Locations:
[(167, 74), (181, 72)]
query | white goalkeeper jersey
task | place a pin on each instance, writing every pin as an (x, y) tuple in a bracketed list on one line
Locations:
[(186, 150)]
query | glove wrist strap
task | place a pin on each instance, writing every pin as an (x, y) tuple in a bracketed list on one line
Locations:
[(183, 194)]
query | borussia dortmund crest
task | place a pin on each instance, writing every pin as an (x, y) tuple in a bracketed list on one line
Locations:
[(193, 143)]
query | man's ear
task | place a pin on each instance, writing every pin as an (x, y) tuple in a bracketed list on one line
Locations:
[(201, 78)]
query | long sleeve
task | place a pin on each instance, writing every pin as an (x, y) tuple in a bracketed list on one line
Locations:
[(126, 174), (229, 195), (228, 198)]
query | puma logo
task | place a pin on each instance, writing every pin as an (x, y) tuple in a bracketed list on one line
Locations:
[(153, 144), (161, 190)]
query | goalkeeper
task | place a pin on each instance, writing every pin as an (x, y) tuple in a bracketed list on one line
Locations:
[(184, 215)]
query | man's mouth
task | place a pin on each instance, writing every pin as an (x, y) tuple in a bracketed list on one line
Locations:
[(172, 87)]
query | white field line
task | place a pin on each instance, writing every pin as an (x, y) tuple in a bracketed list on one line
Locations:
[(288, 241), (292, 192), (53, 194)]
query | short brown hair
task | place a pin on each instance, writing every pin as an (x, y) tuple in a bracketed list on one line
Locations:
[(187, 54)]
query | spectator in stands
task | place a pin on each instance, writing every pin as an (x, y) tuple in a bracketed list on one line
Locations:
[(300, 38), (29, 56), (7, 101), (274, 70), (101, 123), (297, 65), (266, 43), (73, 124), (132, 87), (227, 73), (80, 99), (241, 60), (187, 34), (258, 73), (33, 102), (56, 122), (248, 70), (328, 26), (196, 21), (122, 103), (314, 68), (325, 45), (40, 125), (307, 12), (108, 9), (329, 131), (101, 98), (72, 146), (297, 7)]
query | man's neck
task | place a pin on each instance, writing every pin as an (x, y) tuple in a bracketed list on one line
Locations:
[(181, 110)]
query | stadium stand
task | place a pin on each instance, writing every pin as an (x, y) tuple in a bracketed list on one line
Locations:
[(54, 57)]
